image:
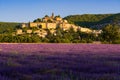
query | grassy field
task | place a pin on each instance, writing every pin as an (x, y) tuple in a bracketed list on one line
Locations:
[(59, 62)]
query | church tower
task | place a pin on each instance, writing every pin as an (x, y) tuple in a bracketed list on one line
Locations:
[(52, 15)]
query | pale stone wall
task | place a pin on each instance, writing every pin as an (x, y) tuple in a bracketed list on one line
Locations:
[(51, 25), (75, 28), (23, 25), (65, 21), (52, 31), (61, 25), (29, 31), (19, 31), (65, 26), (58, 19), (85, 30), (44, 26), (42, 33), (97, 32), (33, 25)]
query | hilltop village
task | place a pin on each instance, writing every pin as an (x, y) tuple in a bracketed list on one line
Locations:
[(51, 23), (54, 29)]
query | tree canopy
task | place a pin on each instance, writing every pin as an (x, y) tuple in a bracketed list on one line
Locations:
[(90, 20), (111, 33)]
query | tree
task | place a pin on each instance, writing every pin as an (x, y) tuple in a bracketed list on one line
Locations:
[(38, 20), (49, 21), (46, 16), (57, 16), (110, 33)]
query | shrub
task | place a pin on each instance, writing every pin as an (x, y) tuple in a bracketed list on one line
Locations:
[(116, 42)]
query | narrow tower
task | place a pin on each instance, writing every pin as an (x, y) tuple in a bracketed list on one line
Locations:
[(52, 15)]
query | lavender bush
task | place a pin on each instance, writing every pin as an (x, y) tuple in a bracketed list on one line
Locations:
[(59, 62)]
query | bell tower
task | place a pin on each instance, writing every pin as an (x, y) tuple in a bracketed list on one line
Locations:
[(52, 15)]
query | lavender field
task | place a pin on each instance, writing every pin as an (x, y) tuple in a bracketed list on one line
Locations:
[(59, 62)]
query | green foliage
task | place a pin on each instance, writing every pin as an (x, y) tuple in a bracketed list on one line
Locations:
[(111, 33), (6, 27), (46, 16), (45, 40), (86, 19), (19, 38), (116, 41), (113, 19), (57, 16), (38, 20), (49, 21), (89, 20), (70, 36)]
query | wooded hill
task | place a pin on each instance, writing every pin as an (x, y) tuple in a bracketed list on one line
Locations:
[(95, 21), (8, 27)]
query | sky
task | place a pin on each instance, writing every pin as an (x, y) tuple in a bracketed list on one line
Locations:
[(28, 10)]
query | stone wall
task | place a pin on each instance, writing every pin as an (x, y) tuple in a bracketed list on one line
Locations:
[(85, 30), (51, 25), (29, 31), (19, 31), (23, 25), (43, 25), (65, 26), (33, 24)]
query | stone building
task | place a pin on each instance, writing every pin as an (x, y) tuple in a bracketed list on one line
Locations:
[(65, 26), (87, 30), (51, 25), (29, 31), (97, 32), (46, 23), (23, 25), (19, 31), (39, 25), (41, 33), (55, 22)]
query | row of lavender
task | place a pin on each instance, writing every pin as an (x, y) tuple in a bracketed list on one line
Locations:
[(59, 62), (28, 48)]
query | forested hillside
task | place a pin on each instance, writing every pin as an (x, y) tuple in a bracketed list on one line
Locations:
[(96, 21), (115, 18), (7, 27)]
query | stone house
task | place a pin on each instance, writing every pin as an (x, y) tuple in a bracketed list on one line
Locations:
[(56, 22), (42, 33), (87, 30), (19, 31), (23, 25), (97, 32), (29, 31), (51, 25)]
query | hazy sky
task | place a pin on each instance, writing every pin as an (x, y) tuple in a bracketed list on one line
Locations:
[(28, 10)]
